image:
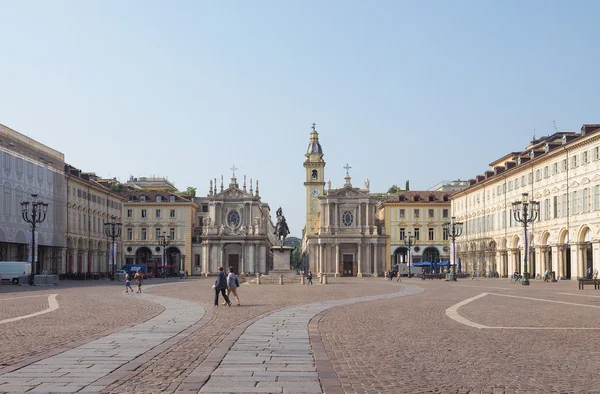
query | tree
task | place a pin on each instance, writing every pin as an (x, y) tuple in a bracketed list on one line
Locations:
[(191, 191), (394, 189), (297, 258), (407, 186)]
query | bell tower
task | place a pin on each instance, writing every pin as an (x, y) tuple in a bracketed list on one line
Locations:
[(314, 182)]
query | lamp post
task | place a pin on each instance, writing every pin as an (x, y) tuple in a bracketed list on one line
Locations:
[(37, 215), (112, 230), (409, 243), (453, 230), (525, 211), (164, 241)]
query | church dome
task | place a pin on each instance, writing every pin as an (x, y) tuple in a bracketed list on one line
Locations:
[(314, 146)]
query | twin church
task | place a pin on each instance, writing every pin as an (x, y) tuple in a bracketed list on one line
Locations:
[(341, 235)]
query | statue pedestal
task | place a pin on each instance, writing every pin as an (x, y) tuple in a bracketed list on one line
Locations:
[(281, 261)]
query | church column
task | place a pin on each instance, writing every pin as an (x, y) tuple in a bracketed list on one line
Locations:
[(368, 218), (358, 261), (376, 262), (337, 259), (242, 267), (358, 217), (335, 219), (580, 262)]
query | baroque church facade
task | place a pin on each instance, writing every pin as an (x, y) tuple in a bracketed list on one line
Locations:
[(233, 229), (341, 235)]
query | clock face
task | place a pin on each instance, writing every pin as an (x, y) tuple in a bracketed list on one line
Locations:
[(315, 192)]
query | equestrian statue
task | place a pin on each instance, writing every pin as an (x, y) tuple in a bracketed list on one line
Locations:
[(281, 228)]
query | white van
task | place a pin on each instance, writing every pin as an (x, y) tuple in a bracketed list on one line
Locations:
[(11, 270)]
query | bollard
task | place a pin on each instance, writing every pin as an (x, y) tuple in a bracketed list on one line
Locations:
[(258, 279), (280, 279), (324, 279), (302, 282)]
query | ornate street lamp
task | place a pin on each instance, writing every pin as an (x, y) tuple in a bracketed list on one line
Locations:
[(37, 215), (453, 229), (112, 230), (164, 241), (409, 242), (526, 211)]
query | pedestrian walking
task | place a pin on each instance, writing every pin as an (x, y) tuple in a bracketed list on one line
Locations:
[(220, 286), (232, 284), (138, 280), (589, 273), (128, 283), (474, 275), (309, 278), (546, 273)]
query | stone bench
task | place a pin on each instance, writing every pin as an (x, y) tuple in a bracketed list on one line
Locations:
[(589, 282)]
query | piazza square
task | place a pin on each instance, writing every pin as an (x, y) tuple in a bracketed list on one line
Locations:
[(299, 197), (348, 336)]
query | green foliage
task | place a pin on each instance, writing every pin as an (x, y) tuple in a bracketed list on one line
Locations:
[(297, 258), (394, 189), (191, 191), (407, 186)]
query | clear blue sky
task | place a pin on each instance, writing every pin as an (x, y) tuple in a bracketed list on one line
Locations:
[(422, 90)]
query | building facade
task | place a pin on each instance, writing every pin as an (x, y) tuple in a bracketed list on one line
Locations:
[(89, 205), (562, 173), (148, 215), (28, 167), (341, 235), (233, 228), (420, 214)]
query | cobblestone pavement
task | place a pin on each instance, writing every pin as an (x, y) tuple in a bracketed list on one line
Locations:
[(85, 367), (168, 370), (84, 313), (394, 345), (410, 345)]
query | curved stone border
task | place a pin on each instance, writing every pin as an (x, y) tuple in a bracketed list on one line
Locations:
[(274, 353), (52, 306), (84, 367)]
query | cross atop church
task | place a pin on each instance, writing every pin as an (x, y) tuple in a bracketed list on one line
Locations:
[(347, 168), (233, 169), (314, 124)]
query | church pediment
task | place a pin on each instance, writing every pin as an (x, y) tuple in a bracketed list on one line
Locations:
[(233, 193), (347, 192)]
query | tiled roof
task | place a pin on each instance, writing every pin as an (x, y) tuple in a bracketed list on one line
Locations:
[(421, 196)]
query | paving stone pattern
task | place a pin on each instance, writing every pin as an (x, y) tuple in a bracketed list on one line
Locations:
[(411, 346), (82, 367), (185, 366), (84, 312), (274, 354)]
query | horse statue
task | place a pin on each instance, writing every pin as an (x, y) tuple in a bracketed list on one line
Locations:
[(281, 228)]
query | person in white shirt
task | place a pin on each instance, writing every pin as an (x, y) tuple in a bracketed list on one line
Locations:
[(232, 285)]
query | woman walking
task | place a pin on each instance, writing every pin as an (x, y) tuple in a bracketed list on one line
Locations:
[(309, 277), (232, 285), (220, 286)]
